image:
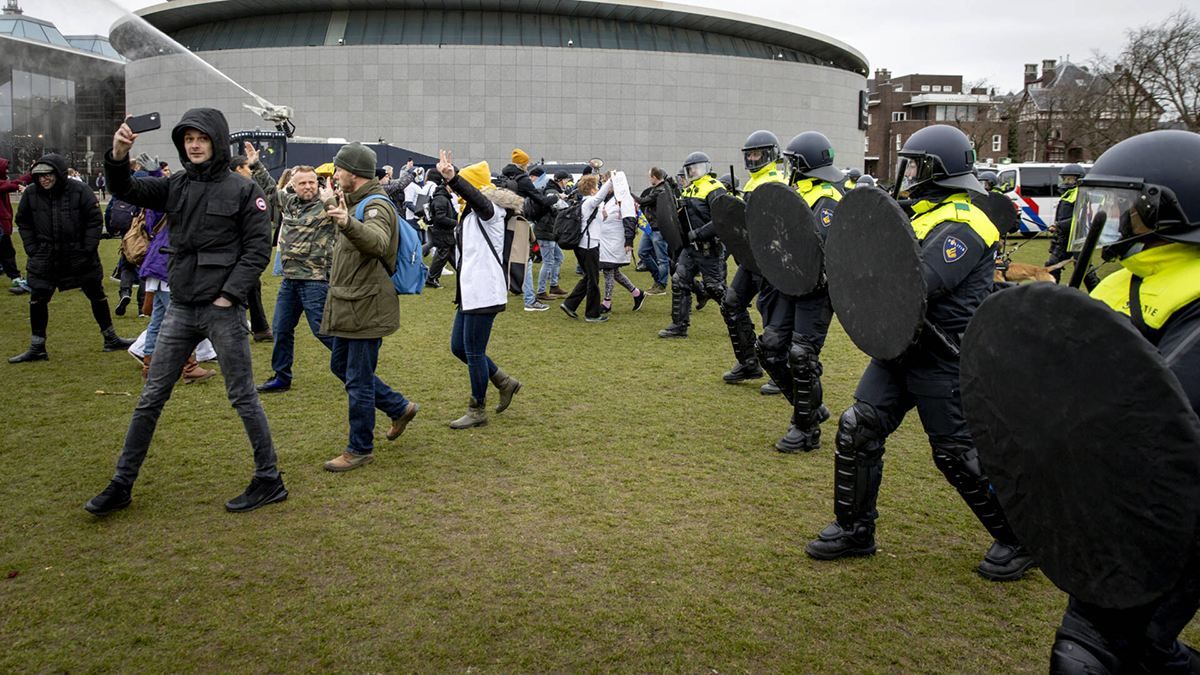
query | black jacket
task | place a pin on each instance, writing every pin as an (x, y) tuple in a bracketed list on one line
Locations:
[(537, 204), (219, 220), (441, 230), (60, 230), (649, 203), (543, 228)]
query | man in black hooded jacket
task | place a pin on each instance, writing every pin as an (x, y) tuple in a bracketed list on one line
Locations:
[(59, 221), (221, 241)]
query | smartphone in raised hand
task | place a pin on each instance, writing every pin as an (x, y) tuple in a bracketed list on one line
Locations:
[(148, 122)]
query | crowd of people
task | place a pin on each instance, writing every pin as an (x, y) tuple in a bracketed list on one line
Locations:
[(337, 235)]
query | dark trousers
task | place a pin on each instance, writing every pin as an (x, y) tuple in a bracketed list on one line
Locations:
[(296, 297), (128, 273), (39, 307), (182, 329), (444, 255), (353, 361), (589, 285), (258, 315), (468, 342), (787, 316), (8, 257)]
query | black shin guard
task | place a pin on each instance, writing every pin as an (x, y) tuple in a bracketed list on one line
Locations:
[(741, 336), (959, 462), (858, 465), (773, 357), (805, 365)]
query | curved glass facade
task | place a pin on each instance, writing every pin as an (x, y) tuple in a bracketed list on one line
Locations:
[(456, 27)]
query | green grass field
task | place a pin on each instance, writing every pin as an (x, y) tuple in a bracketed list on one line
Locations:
[(627, 513)]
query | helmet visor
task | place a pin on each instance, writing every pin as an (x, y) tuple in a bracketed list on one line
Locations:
[(757, 158), (1129, 211), (694, 171)]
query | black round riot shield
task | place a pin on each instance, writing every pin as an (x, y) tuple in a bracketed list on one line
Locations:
[(784, 239), (729, 219), (1089, 441), (874, 268), (667, 213), (1000, 210)]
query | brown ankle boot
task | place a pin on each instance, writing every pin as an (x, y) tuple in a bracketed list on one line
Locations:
[(145, 367), (192, 372)]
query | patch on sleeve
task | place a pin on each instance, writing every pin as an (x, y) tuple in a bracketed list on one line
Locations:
[(953, 250), (261, 204), (372, 213), (825, 213)]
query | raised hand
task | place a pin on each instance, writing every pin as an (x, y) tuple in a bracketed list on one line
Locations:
[(123, 141), (445, 165), (340, 214), (251, 153)]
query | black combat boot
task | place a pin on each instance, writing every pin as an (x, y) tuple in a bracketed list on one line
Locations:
[(1005, 562), (796, 440), (114, 342), (837, 542), (260, 492), (114, 498), (36, 352), (750, 370)]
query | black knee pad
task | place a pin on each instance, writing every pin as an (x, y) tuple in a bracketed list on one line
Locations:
[(858, 465), (715, 291), (860, 433), (681, 282)]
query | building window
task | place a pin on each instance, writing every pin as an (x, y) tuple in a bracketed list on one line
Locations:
[(868, 119), (866, 144), (899, 116), (996, 142), (955, 113), (924, 87), (899, 141)]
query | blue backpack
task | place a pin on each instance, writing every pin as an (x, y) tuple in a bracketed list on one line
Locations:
[(409, 271)]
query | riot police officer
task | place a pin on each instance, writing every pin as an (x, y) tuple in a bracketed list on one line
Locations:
[(958, 244), (794, 327), (1068, 181), (851, 181), (1150, 180), (704, 253), (989, 180)]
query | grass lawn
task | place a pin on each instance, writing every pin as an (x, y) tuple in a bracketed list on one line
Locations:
[(627, 513)]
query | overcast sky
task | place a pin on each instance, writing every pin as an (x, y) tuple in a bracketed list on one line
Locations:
[(978, 40)]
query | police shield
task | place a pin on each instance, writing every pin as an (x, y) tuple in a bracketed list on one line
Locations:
[(1088, 439), (1000, 210), (874, 268), (729, 219), (667, 213), (784, 239)]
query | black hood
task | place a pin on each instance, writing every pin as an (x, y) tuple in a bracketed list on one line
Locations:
[(60, 170), (212, 122)]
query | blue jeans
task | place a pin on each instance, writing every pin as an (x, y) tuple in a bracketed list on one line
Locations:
[(552, 259), (527, 285), (468, 342), (182, 328), (653, 252), (296, 296), (162, 300), (354, 362)]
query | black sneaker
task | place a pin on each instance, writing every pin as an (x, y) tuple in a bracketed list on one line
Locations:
[(117, 344), (260, 492), (274, 385), (114, 498), (637, 302), (1005, 562), (673, 331), (597, 319), (122, 305), (836, 542), (568, 311)]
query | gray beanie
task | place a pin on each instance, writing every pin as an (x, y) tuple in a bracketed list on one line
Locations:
[(356, 158)]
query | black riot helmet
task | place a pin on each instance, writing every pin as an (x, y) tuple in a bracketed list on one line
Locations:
[(696, 165), (989, 179), (1146, 186), (865, 181), (810, 155), (729, 181), (938, 156), (763, 145), (854, 174), (1067, 173)]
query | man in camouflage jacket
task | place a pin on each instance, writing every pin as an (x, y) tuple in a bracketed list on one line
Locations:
[(306, 253)]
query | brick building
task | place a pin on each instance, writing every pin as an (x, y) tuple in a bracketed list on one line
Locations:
[(898, 107), (1067, 113)]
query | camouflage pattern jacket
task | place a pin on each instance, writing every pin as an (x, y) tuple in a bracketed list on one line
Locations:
[(307, 236)]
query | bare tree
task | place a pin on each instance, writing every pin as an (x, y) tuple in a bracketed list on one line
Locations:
[(1165, 59)]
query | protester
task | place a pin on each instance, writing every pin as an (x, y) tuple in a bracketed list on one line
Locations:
[(442, 220), (8, 254), (254, 304), (59, 221), (588, 255), (618, 227), (362, 306), (220, 235), (653, 248), (552, 253), (481, 293)]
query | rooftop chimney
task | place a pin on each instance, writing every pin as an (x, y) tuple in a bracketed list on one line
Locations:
[(882, 75), (11, 7), (1048, 72), (1031, 74)]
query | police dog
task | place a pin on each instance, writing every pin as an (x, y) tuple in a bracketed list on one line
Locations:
[(1015, 272)]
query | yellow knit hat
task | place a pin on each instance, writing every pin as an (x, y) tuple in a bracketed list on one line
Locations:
[(477, 174), (519, 156)]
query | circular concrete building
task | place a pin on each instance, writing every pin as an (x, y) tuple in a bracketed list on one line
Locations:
[(636, 82)]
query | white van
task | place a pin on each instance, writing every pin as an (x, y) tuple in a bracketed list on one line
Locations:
[(1033, 187)]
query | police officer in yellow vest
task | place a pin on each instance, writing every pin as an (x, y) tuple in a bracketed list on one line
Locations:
[(704, 253), (851, 181), (761, 156), (1150, 188), (958, 245), (1068, 181), (794, 327)]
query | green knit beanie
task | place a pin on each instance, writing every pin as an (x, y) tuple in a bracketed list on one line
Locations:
[(356, 158)]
